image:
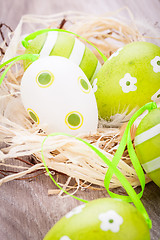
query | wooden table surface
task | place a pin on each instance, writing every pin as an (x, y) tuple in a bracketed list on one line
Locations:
[(26, 210)]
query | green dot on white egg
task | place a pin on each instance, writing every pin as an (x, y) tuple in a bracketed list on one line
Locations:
[(33, 115), (74, 120), (84, 84), (45, 79), (51, 87)]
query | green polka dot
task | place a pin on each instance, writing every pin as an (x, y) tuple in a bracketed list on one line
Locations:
[(33, 116), (44, 78), (158, 96), (158, 63), (84, 84), (74, 119), (128, 83)]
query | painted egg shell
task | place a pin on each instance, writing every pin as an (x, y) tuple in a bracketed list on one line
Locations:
[(128, 79), (147, 144), (65, 45), (56, 92), (101, 219)]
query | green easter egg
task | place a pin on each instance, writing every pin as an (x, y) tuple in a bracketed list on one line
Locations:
[(65, 45), (147, 144), (128, 79), (105, 219)]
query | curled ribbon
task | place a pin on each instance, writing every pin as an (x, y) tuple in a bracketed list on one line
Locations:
[(25, 41), (126, 140)]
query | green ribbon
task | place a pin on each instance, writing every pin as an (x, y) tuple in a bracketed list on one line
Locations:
[(25, 41), (126, 140), (112, 166), (32, 57)]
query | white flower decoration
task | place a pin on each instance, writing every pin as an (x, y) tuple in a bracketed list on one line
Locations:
[(94, 85), (65, 238), (156, 96), (115, 53), (75, 211), (127, 83), (155, 62), (110, 221)]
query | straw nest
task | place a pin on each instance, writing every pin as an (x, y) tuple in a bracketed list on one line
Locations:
[(20, 137)]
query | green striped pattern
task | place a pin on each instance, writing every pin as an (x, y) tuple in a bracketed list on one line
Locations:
[(63, 46), (34, 48), (147, 144), (66, 46)]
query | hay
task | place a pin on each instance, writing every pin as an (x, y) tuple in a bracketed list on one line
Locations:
[(62, 154)]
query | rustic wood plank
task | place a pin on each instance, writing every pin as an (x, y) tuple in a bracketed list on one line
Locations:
[(27, 212), (11, 12)]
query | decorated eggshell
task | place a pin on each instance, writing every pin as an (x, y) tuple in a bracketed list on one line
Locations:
[(65, 45), (147, 144), (56, 92), (101, 219), (128, 79)]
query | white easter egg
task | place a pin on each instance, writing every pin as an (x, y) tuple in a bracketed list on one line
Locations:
[(56, 92)]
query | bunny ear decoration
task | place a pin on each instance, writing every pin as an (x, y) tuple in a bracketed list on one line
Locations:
[(32, 57), (126, 139), (25, 41)]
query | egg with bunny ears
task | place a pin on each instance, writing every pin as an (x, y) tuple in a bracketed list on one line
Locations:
[(103, 218), (57, 94)]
